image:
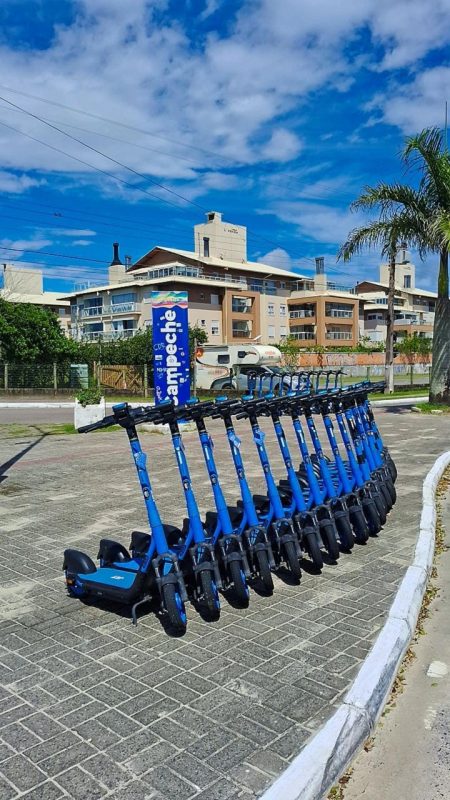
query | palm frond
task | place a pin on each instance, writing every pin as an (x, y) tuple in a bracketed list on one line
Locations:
[(426, 152)]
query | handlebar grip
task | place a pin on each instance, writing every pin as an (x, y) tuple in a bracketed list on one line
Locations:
[(106, 422)]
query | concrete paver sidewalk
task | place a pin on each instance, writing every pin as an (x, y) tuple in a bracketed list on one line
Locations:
[(91, 707)]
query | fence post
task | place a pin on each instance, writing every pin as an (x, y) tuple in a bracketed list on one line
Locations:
[(411, 375), (368, 373), (5, 375), (55, 377), (145, 379)]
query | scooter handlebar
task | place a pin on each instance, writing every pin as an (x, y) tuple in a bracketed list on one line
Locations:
[(106, 422)]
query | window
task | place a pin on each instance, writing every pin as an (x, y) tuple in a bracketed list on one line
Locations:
[(283, 309), (407, 281), (283, 330), (62, 311), (269, 286), (270, 309), (206, 246), (271, 331), (223, 359), (282, 284), (214, 299), (214, 327), (203, 323), (202, 295), (126, 297)]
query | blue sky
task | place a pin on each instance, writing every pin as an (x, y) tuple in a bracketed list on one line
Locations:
[(276, 113)]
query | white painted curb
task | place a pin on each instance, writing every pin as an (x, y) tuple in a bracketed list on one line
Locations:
[(326, 756)]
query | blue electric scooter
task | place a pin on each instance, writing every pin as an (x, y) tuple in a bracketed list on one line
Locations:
[(157, 568)]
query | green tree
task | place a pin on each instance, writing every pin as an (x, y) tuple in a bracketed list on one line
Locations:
[(32, 334), (425, 213), (290, 350), (384, 234)]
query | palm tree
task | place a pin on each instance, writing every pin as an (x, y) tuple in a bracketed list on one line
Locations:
[(384, 234), (424, 217)]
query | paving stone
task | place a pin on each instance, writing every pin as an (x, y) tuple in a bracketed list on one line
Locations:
[(104, 769), (80, 786), (61, 761), (51, 746), (6, 790), (153, 756), (169, 784), (46, 791), (230, 755), (19, 737), (22, 773)]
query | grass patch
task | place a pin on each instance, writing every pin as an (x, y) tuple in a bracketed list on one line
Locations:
[(14, 431), (427, 408)]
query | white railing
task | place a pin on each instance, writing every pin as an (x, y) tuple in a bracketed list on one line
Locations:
[(338, 312), (182, 272), (303, 335), (302, 314), (107, 336), (338, 287), (100, 311), (241, 334), (121, 308), (338, 335)]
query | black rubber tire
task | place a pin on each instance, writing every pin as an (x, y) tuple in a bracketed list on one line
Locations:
[(360, 528), (381, 506), (264, 572), (386, 495), (391, 465), (240, 588), (329, 540), (391, 489), (210, 594), (345, 532), (177, 615), (292, 560), (315, 553), (372, 517)]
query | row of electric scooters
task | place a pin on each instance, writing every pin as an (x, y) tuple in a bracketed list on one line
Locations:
[(320, 508)]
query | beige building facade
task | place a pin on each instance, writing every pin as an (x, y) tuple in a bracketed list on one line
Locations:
[(20, 285), (234, 300)]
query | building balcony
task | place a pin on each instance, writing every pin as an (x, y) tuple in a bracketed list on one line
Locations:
[(346, 335), (303, 335), (302, 314), (107, 336), (106, 311), (339, 313)]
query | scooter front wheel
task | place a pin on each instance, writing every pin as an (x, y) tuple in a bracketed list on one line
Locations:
[(330, 541), (345, 533), (314, 550), (292, 559), (210, 594), (240, 588), (174, 607), (264, 572)]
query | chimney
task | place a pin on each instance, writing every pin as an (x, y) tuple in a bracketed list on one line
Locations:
[(320, 280), (320, 265), (127, 262), (116, 258)]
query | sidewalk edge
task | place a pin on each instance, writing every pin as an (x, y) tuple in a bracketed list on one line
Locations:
[(326, 756)]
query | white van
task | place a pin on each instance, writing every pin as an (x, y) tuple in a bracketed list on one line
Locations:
[(226, 366)]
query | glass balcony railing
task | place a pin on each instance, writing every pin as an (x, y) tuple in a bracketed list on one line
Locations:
[(241, 308), (339, 312), (107, 336), (339, 335), (302, 313), (103, 310), (303, 335), (241, 333)]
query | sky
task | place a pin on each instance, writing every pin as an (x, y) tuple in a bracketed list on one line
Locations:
[(128, 121)]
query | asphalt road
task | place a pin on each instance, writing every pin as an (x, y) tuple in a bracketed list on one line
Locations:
[(411, 755), (32, 416)]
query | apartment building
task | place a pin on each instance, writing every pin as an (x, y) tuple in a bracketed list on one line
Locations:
[(413, 307), (234, 300), (19, 285)]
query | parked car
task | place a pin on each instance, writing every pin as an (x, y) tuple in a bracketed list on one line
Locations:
[(273, 378)]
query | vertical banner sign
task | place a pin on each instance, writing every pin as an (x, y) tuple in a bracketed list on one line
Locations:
[(171, 346)]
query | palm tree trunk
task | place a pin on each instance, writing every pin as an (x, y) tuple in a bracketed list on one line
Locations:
[(440, 370), (389, 362)]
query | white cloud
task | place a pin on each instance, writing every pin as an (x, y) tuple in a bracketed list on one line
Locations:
[(278, 257), (74, 232), (12, 183), (227, 97), (12, 245), (81, 242), (419, 104)]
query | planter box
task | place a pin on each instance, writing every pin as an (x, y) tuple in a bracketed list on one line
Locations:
[(90, 414)]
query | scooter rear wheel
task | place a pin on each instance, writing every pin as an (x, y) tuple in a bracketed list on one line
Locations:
[(174, 607), (292, 559), (240, 588), (360, 526), (314, 550), (264, 572), (372, 517)]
